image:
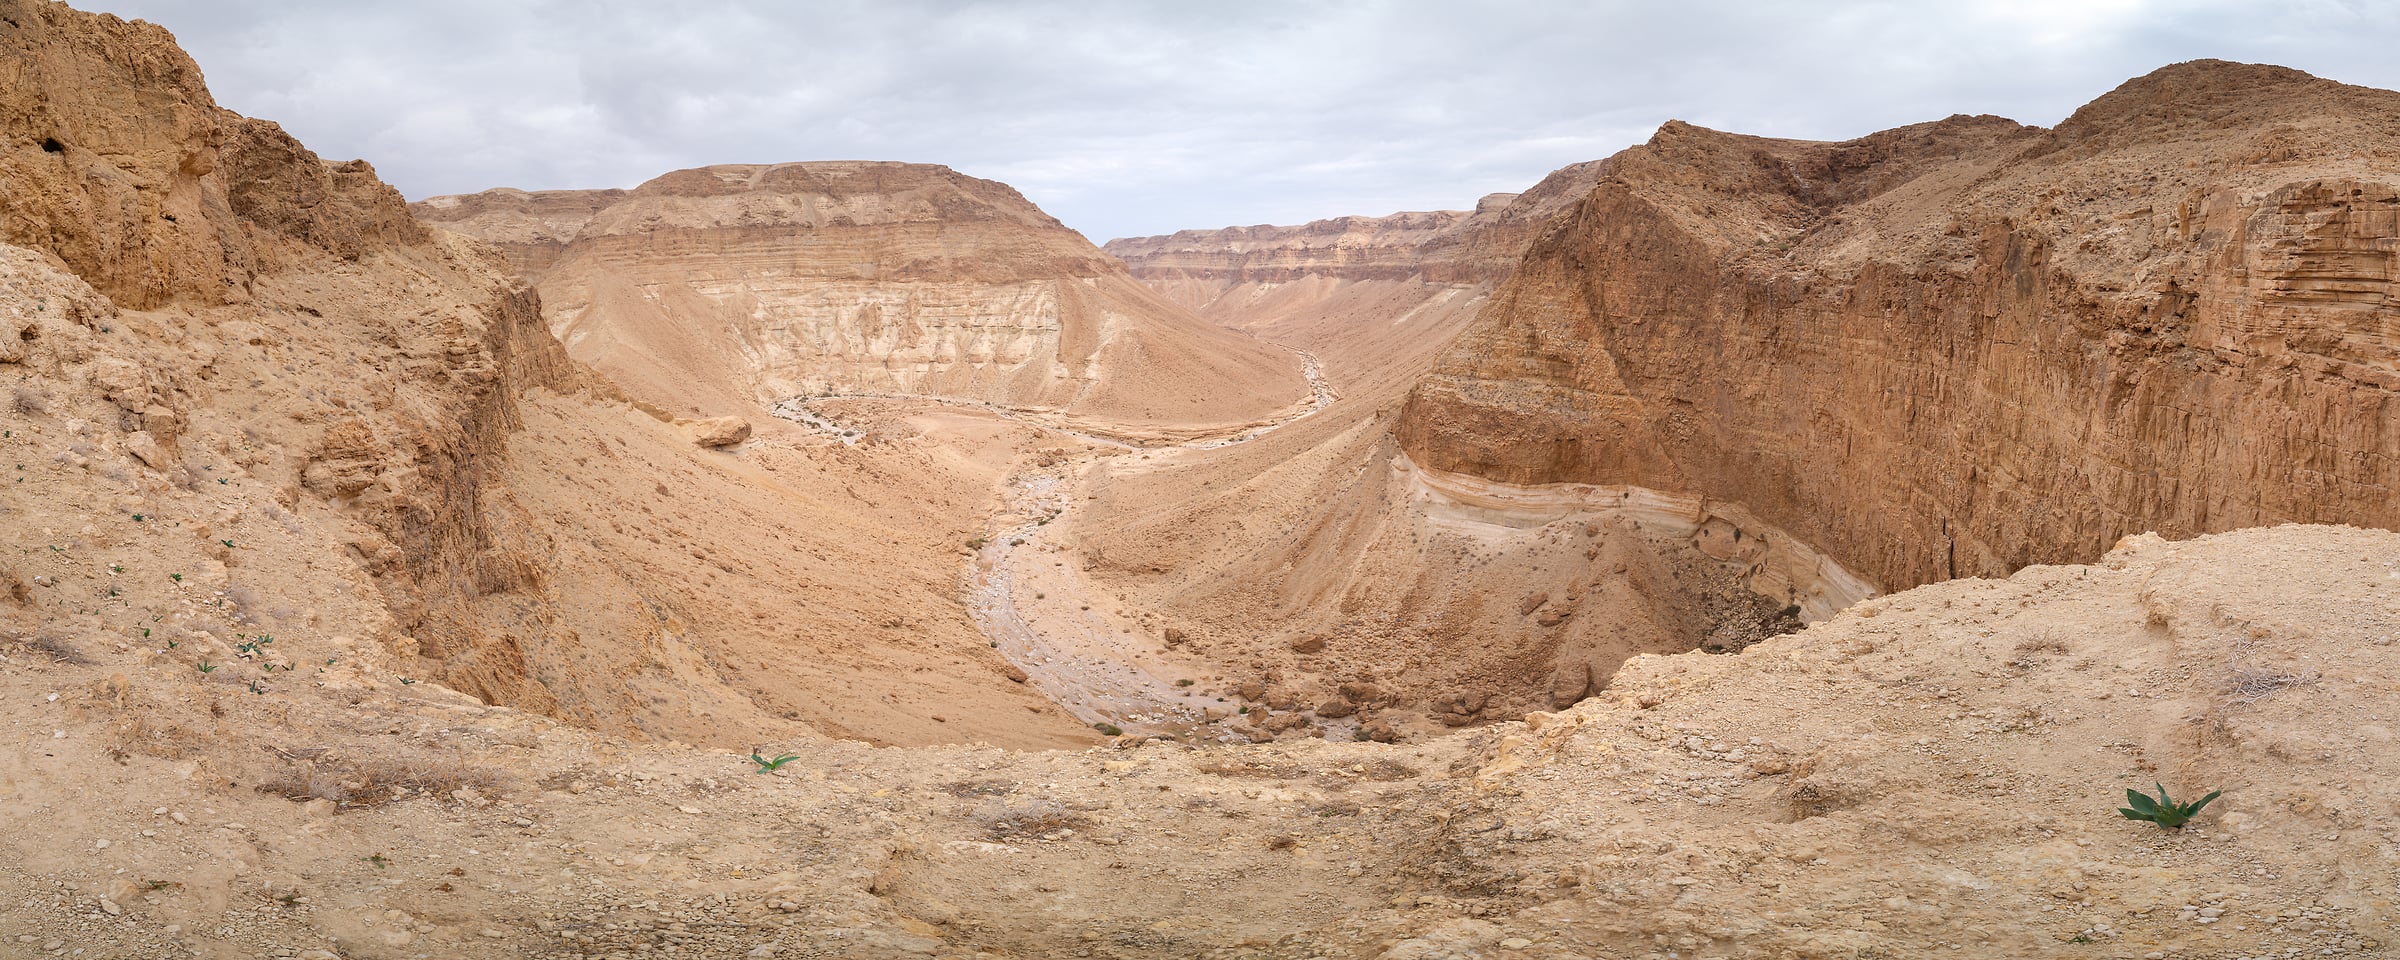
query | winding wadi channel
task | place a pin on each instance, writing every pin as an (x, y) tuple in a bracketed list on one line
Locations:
[(1026, 593)]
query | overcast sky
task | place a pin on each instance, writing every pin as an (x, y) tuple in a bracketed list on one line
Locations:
[(1125, 118)]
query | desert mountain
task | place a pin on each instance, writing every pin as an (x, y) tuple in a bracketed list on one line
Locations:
[(345, 616), (247, 385), (1961, 347), (722, 289)]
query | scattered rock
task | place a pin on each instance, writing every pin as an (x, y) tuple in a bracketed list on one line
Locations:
[(718, 431)]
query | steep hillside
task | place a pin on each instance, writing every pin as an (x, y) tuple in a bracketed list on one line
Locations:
[(1961, 347), (1327, 580), (250, 397), (723, 289)]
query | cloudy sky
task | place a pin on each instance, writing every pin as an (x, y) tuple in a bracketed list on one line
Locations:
[(1126, 118)]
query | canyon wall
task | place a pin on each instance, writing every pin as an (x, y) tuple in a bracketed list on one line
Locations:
[(247, 391), (712, 289), (1322, 283), (1962, 347)]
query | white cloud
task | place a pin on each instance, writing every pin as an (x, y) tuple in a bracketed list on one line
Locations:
[(1145, 118)]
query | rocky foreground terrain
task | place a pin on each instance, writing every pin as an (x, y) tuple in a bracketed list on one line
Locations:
[(345, 613)]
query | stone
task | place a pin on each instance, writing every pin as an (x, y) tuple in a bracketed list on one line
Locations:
[(718, 431), (1308, 644), (1337, 707), (145, 448)]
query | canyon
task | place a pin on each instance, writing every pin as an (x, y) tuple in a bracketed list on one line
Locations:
[(705, 291), (1732, 547)]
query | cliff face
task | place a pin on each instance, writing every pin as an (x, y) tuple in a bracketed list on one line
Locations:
[(247, 395), (1225, 271), (729, 285), (1962, 347)]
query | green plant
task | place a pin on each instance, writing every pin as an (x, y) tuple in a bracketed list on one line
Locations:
[(207, 667), (1109, 729), (2163, 811), (379, 860), (1185, 682), (177, 577), (770, 766), (228, 544)]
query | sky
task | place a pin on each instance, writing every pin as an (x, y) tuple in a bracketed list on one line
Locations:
[(1135, 118)]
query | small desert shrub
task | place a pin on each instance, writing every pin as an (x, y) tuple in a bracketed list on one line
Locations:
[(50, 644), (2252, 686), (30, 400), (2047, 641), (2163, 811), (1037, 819), (374, 780)]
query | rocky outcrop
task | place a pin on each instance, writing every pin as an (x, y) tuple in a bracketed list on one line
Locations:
[(119, 163), (709, 288), (1963, 347), (249, 395)]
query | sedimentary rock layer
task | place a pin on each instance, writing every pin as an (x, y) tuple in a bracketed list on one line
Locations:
[(1965, 346), (719, 286)]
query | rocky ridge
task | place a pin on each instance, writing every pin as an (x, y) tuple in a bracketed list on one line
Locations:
[(310, 417), (1961, 347), (722, 288)]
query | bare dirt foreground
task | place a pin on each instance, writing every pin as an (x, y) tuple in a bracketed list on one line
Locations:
[(1929, 771)]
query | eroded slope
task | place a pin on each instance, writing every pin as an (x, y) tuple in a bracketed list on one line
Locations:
[(248, 396), (1961, 347), (723, 289)]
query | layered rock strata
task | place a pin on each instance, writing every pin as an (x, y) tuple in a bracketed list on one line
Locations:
[(1961, 347), (716, 287)]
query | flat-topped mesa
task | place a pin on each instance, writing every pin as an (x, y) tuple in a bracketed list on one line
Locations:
[(715, 288), (1961, 347)]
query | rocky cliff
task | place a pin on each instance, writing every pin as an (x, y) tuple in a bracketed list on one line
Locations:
[(1961, 347), (251, 401), (709, 289), (1225, 273)]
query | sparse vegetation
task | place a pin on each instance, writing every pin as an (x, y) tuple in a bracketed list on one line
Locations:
[(2163, 811), (766, 765), (1109, 729)]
